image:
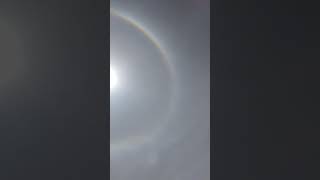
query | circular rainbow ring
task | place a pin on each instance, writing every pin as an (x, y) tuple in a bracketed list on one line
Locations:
[(132, 143)]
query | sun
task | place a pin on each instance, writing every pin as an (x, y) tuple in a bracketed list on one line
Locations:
[(113, 79)]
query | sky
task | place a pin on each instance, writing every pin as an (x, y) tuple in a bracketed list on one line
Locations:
[(54, 95), (160, 107)]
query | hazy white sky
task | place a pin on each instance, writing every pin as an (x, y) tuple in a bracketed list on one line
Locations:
[(160, 105)]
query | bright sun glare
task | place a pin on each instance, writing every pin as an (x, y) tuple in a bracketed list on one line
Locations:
[(113, 79)]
